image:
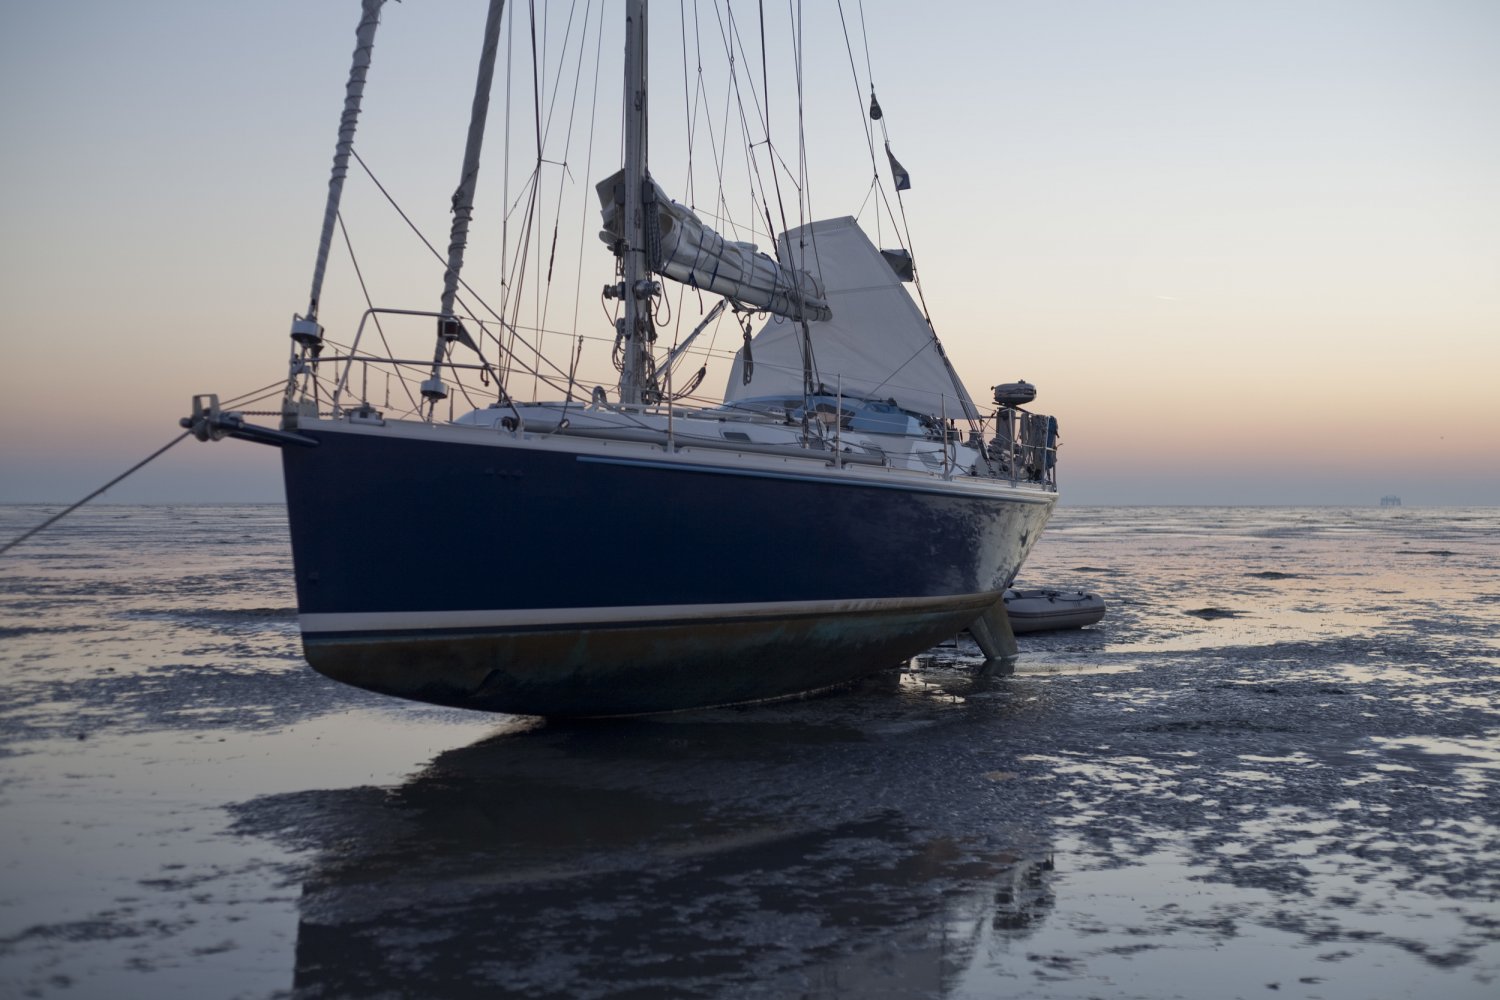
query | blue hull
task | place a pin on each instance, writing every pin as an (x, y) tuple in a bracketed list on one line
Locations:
[(579, 579)]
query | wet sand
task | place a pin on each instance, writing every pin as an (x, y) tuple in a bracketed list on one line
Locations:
[(1270, 772)]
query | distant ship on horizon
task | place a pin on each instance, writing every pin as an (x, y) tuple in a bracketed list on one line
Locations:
[(1390, 500)]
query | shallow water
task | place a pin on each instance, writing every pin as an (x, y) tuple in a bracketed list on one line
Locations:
[(1270, 771)]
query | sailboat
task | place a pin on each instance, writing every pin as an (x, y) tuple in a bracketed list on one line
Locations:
[(597, 551)]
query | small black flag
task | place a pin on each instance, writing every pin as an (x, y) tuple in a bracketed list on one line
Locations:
[(874, 106), (898, 172)]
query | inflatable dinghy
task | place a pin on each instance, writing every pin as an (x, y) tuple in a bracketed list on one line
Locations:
[(1044, 610)]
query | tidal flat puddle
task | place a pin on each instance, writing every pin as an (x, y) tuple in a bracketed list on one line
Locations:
[(1169, 923), (121, 858)]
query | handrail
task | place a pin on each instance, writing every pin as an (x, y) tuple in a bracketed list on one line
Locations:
[(1029, 446), (359, 334)]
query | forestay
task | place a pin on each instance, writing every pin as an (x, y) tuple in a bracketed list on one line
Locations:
[(686, 250), (876, 344)]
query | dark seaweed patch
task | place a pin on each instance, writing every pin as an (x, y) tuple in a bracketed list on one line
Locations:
[(1208, 726), (16, 631)]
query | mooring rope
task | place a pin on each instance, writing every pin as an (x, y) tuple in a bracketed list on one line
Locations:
[(58, 517)]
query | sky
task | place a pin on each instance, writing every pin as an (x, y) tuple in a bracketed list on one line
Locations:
[(1249, 252)]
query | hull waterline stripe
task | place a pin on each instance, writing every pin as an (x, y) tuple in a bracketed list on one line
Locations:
[(412, 621)]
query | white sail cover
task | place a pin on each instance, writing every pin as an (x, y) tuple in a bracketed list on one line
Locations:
[(686, 250), (876, 344)]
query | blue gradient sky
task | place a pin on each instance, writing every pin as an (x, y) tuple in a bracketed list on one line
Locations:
[(1250, 252)]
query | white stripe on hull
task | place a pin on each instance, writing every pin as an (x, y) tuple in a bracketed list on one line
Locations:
[(417, 621)]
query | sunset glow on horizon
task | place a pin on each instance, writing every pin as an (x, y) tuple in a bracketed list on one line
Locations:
[(1249, 253)]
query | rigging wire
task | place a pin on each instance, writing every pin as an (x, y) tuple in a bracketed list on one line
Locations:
[(689, 120), (904, 234), (766, 195), (804, 189), (689, 112), (859, 100), (567, 148), (502, 378), (514, 278), (804, 195), (461, 387), (369, 304), (433, 250), (904, 229), (587, 173), (533, 208), (258, 394), (729, 35), (693, 92), (720, 150), (239, 407), (65, 512), (809, 365)]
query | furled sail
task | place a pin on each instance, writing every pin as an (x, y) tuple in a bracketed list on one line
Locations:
[(877, 343), (685, 250)]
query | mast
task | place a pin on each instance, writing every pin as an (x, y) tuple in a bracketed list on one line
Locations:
[(305, 329), (449, 328), (636, 286)]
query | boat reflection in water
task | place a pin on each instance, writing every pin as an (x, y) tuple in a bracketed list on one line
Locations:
[(674, 856)]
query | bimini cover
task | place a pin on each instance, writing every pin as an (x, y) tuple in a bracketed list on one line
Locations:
[(876, 344), (686, 250)]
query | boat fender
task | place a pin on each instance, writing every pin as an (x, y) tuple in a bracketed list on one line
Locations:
[(749, 358)]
